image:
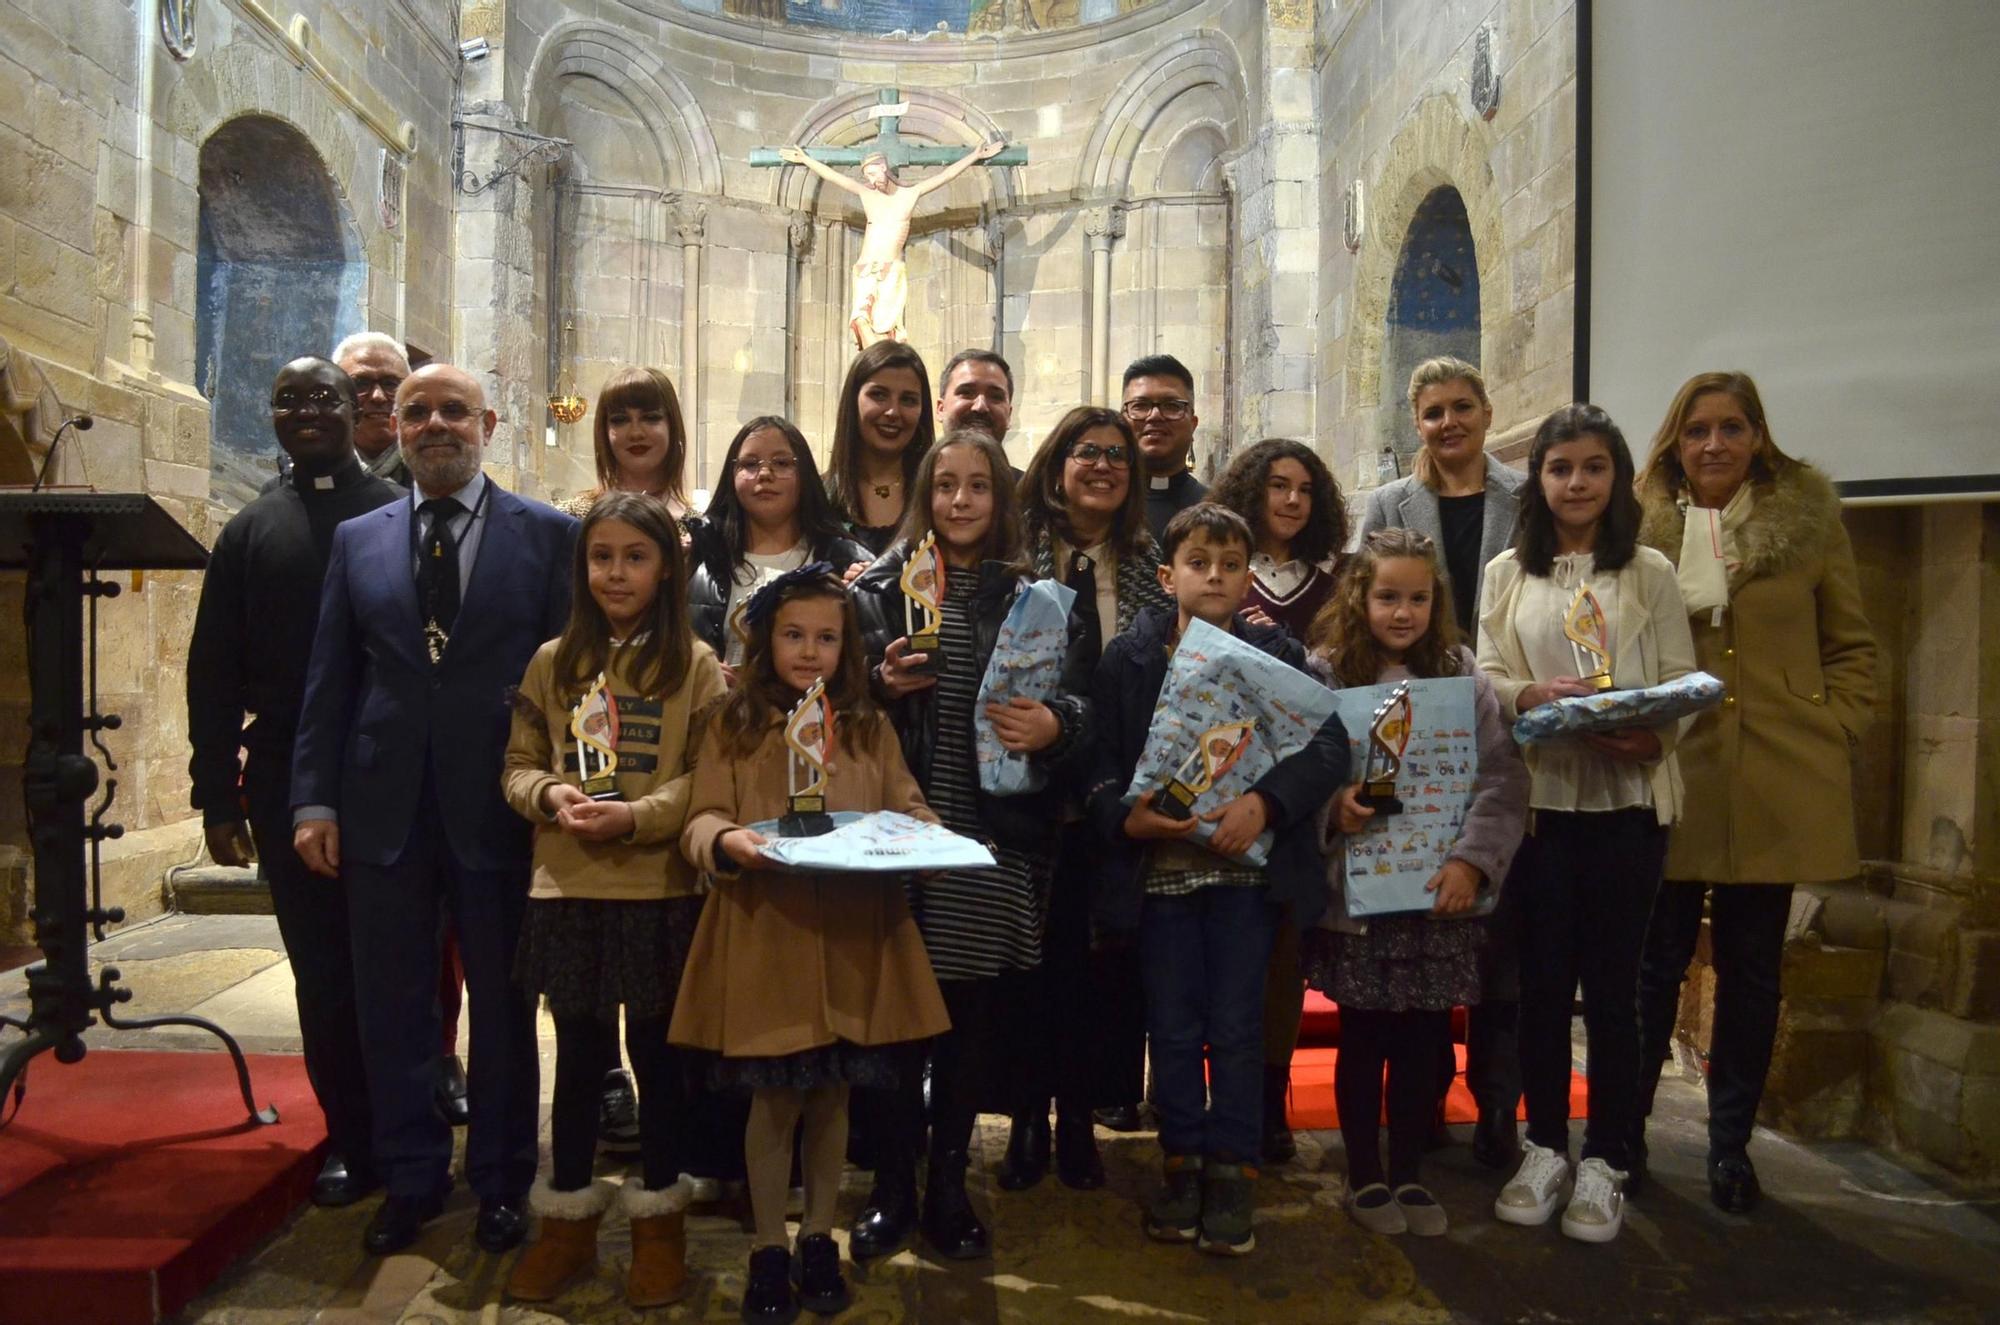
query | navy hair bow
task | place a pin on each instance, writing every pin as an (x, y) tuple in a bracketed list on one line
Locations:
[(765, 601)]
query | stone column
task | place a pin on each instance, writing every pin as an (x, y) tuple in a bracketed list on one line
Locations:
[(1102, 225), (996, 253), (799, 242), (690, 223)]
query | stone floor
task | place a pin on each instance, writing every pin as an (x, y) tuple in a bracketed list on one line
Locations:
[(1845, 1234)]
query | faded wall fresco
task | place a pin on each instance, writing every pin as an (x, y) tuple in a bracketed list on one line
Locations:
[(916, 17)]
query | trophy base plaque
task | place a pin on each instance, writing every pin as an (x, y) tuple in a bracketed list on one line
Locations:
[(807, 817), (1381, 797), (933, 650), (1176, 800), (602, 788), (1598, 681)]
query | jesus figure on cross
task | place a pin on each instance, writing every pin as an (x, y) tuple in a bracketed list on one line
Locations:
[(881, 283)]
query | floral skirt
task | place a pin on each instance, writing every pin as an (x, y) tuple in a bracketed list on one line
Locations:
[(1403, 963), (590, 957), (836, 1064)]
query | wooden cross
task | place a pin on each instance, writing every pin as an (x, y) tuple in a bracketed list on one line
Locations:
[(888, 140)]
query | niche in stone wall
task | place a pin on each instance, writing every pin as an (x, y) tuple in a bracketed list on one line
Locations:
[(1433, 310), (278, 272)]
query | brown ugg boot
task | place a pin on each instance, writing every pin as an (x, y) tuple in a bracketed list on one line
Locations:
[(567, 1247), (659, 1243)]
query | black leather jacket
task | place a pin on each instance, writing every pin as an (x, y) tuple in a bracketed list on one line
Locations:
[(1027, 822), (708, 595)]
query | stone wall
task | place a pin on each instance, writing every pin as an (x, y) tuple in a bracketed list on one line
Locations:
[(100, 135), (1395, 103)]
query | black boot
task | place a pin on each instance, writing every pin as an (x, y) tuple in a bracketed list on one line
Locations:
[(951, 1225), (885, 1224), (1077, 1161), (1027, 1157), (1279, 1146)]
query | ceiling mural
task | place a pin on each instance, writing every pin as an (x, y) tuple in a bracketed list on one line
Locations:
[(918, 20)]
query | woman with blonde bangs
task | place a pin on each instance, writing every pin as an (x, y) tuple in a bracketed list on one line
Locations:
[(1768, 580), (640, 444)]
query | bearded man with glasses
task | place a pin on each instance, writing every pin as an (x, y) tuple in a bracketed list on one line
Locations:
[(432, 608), (1159, 404)]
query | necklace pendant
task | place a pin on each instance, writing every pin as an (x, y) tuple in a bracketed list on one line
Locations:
[(882, 490)]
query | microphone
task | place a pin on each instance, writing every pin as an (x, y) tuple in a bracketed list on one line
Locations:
[(82, 423)]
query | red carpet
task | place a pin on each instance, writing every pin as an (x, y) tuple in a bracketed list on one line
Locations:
[(130, 1180)]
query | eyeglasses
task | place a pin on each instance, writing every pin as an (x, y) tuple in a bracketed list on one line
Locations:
[(781, 466), (415, 415), (319, 400), (386, 384), (1089, 453), (1166, 409)]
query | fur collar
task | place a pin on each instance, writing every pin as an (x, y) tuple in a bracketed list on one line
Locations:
[(1791, 521)]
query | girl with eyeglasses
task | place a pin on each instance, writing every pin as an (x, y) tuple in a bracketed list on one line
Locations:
[(1083, 520), (770, 514)]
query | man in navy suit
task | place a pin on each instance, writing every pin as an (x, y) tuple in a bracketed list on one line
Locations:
[(431, 610)]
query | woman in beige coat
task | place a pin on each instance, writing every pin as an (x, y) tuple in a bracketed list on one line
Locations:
[(1768, 580)]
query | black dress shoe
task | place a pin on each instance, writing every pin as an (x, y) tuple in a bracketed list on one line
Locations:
[(887, 1221), (1027, 1157), (767, 1292), (399, 1221), (1119, 1118), (1733, 1185), (340, 1184), (502, 1223), (1077, 1162), (451, 1091), (816, 1271)]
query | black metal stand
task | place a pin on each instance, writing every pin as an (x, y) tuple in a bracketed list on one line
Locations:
[(63, 539)]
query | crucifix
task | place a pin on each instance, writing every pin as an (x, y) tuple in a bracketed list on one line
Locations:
[(881, 284)]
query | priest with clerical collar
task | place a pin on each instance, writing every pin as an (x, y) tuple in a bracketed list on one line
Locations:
[(1159, 404), (253, 635)]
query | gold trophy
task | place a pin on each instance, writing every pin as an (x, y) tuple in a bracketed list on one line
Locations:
[(1215, 753), (594, 723), (1589, 638), (1388, 737), (809, 737), (923, 603)]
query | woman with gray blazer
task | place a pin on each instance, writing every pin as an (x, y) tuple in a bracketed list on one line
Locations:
[(1459, 497), (1469, 504)]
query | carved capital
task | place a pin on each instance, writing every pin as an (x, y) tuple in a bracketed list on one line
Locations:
[(799, 233), (690, 222), (1104, 224)]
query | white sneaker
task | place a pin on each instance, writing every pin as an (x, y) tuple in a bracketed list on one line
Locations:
[(1530, 1196), (1597, 1207)]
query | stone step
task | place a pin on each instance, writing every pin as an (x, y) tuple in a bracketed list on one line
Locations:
[(220, 890)]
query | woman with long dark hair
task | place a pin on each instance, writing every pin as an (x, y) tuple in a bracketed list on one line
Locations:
[(883, 427)]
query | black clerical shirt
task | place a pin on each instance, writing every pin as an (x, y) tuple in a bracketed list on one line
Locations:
[(1166, 498), (253, 632)]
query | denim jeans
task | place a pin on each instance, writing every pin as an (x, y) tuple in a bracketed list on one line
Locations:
[(1204, 958)]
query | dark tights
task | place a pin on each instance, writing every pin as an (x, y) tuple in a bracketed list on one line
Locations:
[(1409, 1044), (583, 1046)]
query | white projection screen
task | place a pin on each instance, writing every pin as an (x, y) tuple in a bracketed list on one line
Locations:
[(1807, 190)]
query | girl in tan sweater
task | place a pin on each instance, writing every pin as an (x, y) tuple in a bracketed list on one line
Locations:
[(598, 762)]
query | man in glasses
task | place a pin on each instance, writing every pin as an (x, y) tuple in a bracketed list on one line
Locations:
[(1159, 404), (252, 640), (378, 366), (432, 608)]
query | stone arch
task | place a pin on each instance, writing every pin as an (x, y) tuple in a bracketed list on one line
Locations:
[(279, 272), (245, 79), (934, 117), (1434, 307), (1196, 61), (656, 94), (1436, 147)]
